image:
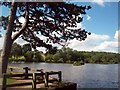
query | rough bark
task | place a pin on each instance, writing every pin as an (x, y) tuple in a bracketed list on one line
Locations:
[(7, 42), (8, 39)]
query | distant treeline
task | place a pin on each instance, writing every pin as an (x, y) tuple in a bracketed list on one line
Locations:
[(64, 55), (67, 55)]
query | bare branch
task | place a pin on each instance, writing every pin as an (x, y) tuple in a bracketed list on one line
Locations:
[(23, 28)]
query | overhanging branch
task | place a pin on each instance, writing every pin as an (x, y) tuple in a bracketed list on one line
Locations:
[(23, 28)]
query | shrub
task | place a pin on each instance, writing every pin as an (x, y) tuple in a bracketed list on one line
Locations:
[(29, 56)]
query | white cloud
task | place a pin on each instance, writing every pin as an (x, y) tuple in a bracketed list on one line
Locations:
[(95, 42), (79, 25), (117, 35), (1, 42), (20, 41), (2, 38), (99, 2), (92, 41), (41, 49), (95, 37), (22, 19), (108, 46), (88, 17)]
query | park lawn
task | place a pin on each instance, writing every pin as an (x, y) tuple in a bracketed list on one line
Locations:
[(9, 81)]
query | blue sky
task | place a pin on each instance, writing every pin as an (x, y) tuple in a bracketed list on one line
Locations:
[(104, 18), (101, 20)]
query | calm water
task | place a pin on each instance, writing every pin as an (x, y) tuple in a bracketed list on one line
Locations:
[(86, 76)]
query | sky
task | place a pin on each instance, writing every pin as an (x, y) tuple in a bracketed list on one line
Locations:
[(101, 20)]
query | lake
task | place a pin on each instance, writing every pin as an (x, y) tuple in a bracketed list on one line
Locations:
[(86, 76)]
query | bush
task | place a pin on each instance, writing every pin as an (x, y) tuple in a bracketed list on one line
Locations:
[(39, 57), (21, 58), (48, 58), (29, 56)]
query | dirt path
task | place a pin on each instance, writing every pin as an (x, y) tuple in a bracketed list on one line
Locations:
[(29, 87)]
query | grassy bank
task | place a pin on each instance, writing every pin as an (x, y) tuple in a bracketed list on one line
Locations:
[(9, 81)]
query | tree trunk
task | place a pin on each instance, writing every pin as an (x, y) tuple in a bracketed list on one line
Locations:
[(8, 41)]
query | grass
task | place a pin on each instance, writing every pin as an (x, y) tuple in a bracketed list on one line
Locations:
[(9, 81), (0, 81)]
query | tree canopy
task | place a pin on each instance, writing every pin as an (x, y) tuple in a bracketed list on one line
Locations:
[(44, 23), (51, 19), (64, 55)]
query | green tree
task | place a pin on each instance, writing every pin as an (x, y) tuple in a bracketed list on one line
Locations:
[(78, 56), (117, 58), (47, 19), (29, 56), (68, 55), (96, 58), (87, 57), (51, 51), (16, 50), (25, 48), (49, 58), (39, 56), (56, 57)]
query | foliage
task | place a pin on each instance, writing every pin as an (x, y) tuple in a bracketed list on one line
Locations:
[(54, 21), (16, 50), (39, 56), (101, 57), (19, 59), (25, 48), (49, 58), (67, 55), (29, 56), (51, 20)]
